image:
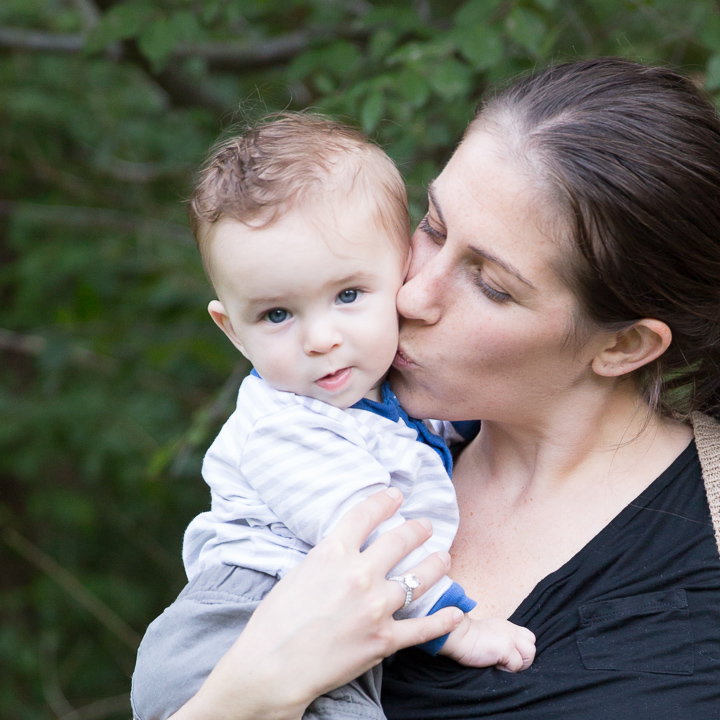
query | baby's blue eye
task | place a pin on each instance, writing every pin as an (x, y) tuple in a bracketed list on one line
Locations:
[(277, 315), (348, 296)]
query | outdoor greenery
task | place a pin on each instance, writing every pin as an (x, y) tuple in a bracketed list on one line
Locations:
[(114, 379)]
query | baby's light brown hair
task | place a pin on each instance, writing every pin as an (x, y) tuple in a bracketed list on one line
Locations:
[(285, 162)]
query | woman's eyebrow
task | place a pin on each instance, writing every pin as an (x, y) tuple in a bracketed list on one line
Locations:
[(497, 261), (482, 253)]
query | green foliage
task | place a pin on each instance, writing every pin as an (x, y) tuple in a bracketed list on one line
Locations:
[(114, 380)]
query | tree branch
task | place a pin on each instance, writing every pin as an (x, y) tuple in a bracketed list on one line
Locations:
[(103, 708), (220, 56), (88, 11), (181, 90), (34, 41), (49, 677), (96, 217), (68, 582), (35, 345)]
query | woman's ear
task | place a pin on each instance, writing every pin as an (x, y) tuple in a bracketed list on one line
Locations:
[(222, 320), (630, 349)]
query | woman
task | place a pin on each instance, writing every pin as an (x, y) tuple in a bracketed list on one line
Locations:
[(564, 288)]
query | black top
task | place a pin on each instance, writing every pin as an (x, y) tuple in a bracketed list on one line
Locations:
[(629, 628)]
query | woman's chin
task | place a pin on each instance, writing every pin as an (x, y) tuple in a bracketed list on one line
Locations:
[(414, 398)]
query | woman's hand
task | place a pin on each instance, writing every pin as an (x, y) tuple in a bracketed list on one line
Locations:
[(326, 622)]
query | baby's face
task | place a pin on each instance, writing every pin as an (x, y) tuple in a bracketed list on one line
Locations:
[(310, 300)]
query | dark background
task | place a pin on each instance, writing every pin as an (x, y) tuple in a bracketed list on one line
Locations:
[(114, 379)]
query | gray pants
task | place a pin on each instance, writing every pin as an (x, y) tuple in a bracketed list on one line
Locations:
[(184, 644)]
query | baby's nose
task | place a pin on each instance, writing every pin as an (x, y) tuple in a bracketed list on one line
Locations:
[(321, 338)]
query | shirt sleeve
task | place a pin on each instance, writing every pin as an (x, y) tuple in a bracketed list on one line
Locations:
[(311, 469)]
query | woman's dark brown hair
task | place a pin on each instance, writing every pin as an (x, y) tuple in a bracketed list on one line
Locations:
[(631, 157)]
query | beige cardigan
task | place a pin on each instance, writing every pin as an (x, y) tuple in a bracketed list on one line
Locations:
[(707, 439)]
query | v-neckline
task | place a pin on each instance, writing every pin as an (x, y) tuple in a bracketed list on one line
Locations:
[(619, 521)]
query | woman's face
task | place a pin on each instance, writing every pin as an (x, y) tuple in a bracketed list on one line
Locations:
[(486, 317)]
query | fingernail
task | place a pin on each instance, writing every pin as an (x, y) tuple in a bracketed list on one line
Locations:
[(394, 493), (426, 523), (458, 615), (445, 557)]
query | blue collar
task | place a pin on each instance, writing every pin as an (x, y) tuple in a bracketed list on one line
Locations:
[(389, 407)]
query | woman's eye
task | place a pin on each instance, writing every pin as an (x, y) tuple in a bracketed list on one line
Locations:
[(491, 292), (277, 315), (348, 296), (430, 231)]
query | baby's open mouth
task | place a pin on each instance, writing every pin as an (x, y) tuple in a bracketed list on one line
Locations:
[(335, 380)]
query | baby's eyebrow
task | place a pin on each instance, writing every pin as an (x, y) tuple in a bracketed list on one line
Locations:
[(360, 277), (355, 278), (269, 301)]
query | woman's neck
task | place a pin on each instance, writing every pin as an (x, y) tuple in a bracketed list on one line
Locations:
[(531, 497), (597, 440)]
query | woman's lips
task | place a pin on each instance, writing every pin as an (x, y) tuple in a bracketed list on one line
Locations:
[(334, 381), (401, 360)]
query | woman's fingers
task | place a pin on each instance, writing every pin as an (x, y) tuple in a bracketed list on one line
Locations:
[(415, 631), (331, 617), (394, 545), (355, 526), (428, 572)]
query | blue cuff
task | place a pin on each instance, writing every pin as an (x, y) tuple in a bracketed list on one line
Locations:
[(454, 596)]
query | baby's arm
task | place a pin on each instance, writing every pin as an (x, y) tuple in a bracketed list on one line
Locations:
[(322, 466), (484, 643), (310, 469)]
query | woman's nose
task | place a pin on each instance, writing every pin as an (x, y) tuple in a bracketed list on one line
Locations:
[(420, 298), (320, 338)]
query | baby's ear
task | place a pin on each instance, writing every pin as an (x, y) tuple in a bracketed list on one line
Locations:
[(222, 320)]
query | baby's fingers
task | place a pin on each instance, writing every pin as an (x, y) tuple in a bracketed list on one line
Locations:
[(526, 648), (521, 656)]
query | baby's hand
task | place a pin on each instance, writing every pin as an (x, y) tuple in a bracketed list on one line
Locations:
[(482, 643)]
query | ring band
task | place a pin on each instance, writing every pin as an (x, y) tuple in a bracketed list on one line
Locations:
[(409, 582)]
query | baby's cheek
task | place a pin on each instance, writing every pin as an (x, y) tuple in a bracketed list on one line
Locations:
[(277, 364), (386, 339)]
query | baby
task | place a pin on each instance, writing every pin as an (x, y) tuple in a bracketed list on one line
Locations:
[(302, 224)]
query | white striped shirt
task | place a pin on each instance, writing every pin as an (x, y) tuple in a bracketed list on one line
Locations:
[(284, 468)]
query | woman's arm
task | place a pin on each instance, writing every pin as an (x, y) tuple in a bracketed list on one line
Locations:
[(328, 621)]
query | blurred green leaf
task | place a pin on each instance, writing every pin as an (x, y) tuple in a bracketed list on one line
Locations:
[(526, 28), (120, 22), (372, 111), (709, 31), (381, 43), (476, 13), (712, 78), (160, 37), (481, 46), (450, 78), (414, 87)]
